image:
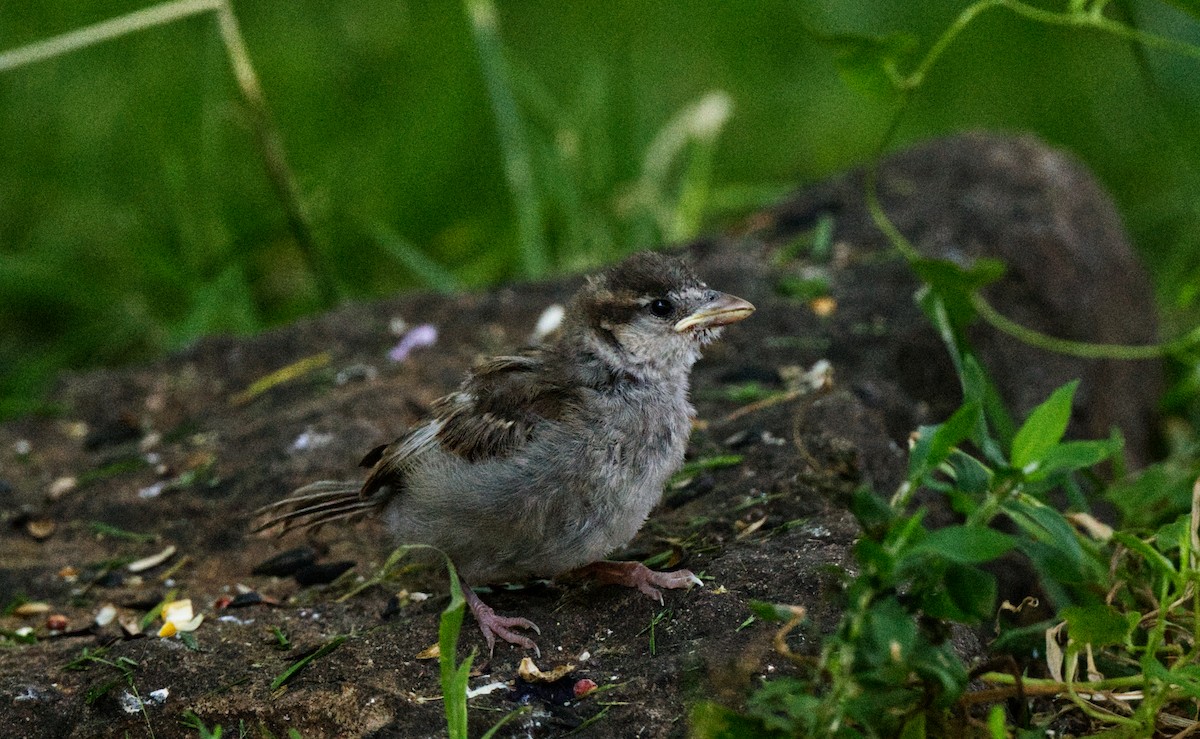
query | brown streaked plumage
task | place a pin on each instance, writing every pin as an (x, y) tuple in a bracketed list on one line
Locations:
[(546, 460)]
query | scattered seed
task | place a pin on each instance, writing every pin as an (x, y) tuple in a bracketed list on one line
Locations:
[(75, 429), (355, 373), (105, 615), (57, 622), (33, 608), (130, 627), (61, 487), (40, 528), (823, 306), (178, 616), (584, 686), (548, 322), (153, 560), (420, 336)]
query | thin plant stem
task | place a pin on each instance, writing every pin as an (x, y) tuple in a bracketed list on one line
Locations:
[(98, 33), (270, 147), (267, 136)]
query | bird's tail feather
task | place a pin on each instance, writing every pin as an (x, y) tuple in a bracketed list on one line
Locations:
[(316, 504)]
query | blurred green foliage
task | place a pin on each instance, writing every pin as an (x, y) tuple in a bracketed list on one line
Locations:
[(136, 215)]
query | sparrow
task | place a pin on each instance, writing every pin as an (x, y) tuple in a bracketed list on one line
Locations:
[(546, 460)]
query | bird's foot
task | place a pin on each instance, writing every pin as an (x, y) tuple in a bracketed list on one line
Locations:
[(638, 575), (493, 625)]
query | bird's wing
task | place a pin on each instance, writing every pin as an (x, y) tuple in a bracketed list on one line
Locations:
[(497, 409), (490, 416), (390, 462)]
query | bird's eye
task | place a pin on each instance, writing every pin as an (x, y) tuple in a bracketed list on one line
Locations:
[(661, 307)]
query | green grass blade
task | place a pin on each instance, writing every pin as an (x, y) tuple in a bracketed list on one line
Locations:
[(510, 127), (433, 275)]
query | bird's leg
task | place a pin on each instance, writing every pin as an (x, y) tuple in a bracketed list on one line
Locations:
[(638, 575), (502, 626)]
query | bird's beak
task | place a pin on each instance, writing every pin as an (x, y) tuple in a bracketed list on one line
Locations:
[(722, 310)]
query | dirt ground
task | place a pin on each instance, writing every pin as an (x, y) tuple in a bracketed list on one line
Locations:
[(181, 452)]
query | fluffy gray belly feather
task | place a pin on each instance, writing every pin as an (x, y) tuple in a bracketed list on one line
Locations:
[(571, 495)]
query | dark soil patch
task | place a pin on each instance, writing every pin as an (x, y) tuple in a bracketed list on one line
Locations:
[(772, 527)]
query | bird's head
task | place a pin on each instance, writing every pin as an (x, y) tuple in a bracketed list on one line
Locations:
[(649, 315)]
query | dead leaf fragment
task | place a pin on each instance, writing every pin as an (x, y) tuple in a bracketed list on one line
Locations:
[(745, 529), (431, 652), (529, 672)]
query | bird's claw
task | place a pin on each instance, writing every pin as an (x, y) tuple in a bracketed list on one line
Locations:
[(493, 625), (638, 575), (502, 626)]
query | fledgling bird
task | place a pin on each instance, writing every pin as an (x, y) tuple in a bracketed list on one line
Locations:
[(547, 460)]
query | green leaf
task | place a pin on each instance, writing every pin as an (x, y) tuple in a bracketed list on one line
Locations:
[(1098, 625), (977, 385), (934, 443), (970, 475), (1184, 676), (914, 728), (1158, 493), (952, 592), (954, 285), (966, 544), (867, 63), (1044, 428), (711, 720), (1070, 456), (889, 636), (873, 512), (972, 590), (1172, 536)]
